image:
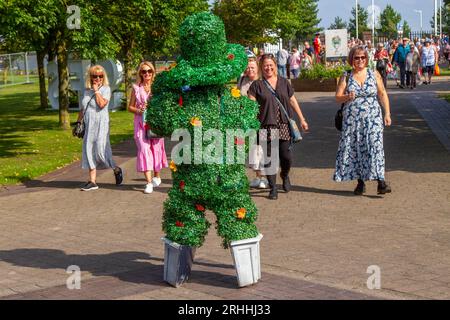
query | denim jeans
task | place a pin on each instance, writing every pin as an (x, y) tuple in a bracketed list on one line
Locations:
[(282, 70), (295, 73)]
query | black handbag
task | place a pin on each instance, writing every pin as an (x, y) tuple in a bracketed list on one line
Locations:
[(149, 134), (296, 135), (79, 129), (339, 117)]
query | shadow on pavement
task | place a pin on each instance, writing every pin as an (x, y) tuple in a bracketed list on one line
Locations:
[(140, 270)]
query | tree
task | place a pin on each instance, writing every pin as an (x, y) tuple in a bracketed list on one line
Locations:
[(251, 22), (362, 22), (390, 19), (43, 26), (338, 24), (24, 25), (406, 29), (248, 22), (308, 15), (141, 27)]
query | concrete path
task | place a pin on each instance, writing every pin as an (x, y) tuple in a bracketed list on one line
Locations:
[(319, 240)]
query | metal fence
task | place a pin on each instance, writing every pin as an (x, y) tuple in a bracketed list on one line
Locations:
[(18, 68)]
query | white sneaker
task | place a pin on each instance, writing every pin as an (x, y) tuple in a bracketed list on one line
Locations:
[(148, 188), (264, 184), (156, 181), (255, 183)]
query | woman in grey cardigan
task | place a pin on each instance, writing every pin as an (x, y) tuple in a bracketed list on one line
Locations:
[(412, 66), (97, 152)]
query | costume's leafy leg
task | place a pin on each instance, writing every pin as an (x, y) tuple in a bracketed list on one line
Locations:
[(236, 212), (184, 218)]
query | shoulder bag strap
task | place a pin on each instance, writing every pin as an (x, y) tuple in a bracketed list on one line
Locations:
[(87, 105), (275, 95)]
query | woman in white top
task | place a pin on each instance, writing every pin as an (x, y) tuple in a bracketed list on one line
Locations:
[(250, 75), (429, 58)]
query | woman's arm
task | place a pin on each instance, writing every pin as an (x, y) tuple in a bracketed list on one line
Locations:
[(251, 97), (341, 96), (132, 106), (384, 99), (296, 107), (101, 102)]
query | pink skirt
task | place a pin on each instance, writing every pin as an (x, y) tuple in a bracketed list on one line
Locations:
[(151, 154)]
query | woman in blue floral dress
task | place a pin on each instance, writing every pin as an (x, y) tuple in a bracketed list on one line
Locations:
[(361, 154)]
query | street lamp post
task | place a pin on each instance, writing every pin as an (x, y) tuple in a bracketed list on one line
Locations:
[(357, 11), (421, 25), (435, 18), (373, 22), (440, 18)]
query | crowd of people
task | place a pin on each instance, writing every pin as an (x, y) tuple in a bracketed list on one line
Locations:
[(360, 154), (408, 62)]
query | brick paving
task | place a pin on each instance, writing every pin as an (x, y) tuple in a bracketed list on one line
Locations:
[(436, 113), (209, 280), (318, 240)]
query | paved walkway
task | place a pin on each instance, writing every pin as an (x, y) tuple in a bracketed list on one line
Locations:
[(319, 240)]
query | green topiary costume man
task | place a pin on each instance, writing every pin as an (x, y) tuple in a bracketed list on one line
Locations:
[(193, 95)]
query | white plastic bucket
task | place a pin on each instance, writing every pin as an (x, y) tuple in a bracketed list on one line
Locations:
[(246, 260), (178, 261)]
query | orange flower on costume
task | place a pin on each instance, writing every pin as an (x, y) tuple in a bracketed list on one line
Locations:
[(172, 65), (241, 213), (235, 92), (230, 56), (173, 166), (196, 122)]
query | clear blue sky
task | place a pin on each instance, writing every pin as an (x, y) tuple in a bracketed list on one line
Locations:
[(328, 9)]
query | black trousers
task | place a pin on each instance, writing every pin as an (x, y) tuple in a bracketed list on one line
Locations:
[(402, 66), (411, 79), (285, 156)]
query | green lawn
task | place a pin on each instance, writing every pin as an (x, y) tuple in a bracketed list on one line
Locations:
[(31, 142), (445, 72), (14, 79)]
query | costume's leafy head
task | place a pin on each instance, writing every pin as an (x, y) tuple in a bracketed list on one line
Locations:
[(206, 58), (202, 39)]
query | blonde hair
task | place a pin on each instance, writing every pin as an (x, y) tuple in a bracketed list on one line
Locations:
[(91, 71), (139, 78)]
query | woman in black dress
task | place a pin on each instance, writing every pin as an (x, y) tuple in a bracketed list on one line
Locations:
[(273, 119)]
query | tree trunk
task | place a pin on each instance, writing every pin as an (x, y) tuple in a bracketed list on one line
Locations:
[(42, 89), (128, 70), (63, 74)]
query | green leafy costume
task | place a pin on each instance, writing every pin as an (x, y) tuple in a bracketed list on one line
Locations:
[(194, 95)]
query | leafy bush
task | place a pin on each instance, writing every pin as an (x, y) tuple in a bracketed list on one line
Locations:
[(321, 72)]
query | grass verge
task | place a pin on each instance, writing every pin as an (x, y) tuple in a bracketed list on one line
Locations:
[(31, 142)]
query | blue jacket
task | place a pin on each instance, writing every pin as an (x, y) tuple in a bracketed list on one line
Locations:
[(400, 54)]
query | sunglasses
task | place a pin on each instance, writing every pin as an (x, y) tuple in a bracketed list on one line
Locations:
[(267, 55), (148, 71), (95, 76), (360, 58)]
